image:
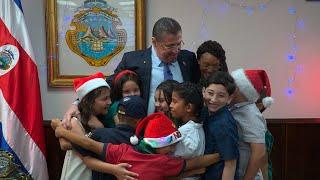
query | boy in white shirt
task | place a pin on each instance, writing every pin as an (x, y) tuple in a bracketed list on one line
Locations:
[(251, 124)]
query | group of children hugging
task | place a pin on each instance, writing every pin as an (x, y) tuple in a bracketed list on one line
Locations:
[(210, 130)]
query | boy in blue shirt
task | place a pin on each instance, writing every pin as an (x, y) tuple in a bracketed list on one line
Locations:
[(220, 127)]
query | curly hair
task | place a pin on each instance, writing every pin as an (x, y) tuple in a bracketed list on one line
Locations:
[(190, 93), (215, 49)]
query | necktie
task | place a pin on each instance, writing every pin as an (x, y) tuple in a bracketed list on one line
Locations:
[(167, 74)]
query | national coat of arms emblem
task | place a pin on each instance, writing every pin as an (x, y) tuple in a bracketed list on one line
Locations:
[(9, 56), (10, 170), (96, 34)]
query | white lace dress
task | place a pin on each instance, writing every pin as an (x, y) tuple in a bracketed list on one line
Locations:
[(73, 166)]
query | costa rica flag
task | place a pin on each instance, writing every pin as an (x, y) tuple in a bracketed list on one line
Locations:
[(21, 121)]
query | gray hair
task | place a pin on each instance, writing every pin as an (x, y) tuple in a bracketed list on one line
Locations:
[(165, 25)]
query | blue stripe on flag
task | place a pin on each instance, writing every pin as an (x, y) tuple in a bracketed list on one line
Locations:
[(6, 147), (18, 2)]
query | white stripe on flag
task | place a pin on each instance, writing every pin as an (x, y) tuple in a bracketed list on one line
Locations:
[(13, 18), (21, 142)]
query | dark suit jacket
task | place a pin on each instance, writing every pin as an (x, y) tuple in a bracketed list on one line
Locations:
[(142, 63)]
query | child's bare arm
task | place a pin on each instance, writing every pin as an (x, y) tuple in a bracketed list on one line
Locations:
[(75, 127), (256, 160), (201, 161), (119, 170), (193, 172), (265, 170), (229, 169), (81, 140), (55, 123), (64, 144), (187, 174)]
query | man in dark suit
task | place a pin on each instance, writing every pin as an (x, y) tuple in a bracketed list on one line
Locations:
[(163, 60), (163, 57)]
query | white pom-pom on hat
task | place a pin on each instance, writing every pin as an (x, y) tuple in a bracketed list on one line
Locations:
[(134, 140), (267, 101)]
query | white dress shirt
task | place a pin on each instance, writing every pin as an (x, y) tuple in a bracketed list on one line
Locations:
[(157, 76)]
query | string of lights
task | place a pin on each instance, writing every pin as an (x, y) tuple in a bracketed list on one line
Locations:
[(292, 54), (260, 6)]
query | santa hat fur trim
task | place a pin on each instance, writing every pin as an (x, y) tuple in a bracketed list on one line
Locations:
[(164, 141), (244, 85), (85, 85)]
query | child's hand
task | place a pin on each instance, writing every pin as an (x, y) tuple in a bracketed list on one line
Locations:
[(59, 131), (194, 172), (123, 174), (72, 111), (55, 123)]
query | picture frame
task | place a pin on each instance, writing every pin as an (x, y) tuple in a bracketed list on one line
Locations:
[(68, 60)]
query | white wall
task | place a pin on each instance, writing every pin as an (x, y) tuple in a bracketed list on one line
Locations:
[(55, 101), (260, 40)]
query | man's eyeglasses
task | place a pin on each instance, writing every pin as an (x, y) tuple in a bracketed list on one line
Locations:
[(172, 46)]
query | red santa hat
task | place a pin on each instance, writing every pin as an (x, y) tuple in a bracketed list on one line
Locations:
[(83, 86), (157, 130), (252, 83)]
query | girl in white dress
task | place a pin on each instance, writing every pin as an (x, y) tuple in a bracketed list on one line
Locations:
[(94, 96)]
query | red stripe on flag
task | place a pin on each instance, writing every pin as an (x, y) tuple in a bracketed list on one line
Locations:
[(21, 89)]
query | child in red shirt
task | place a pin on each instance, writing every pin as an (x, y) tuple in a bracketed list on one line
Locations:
[(150, 158)]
